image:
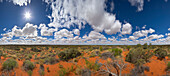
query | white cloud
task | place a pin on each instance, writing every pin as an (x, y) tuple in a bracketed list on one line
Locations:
[(143, 32), (4, 29), (28, 30), (166, 0), (21, 2), (155, 36), (144, 27), (45, 31), (63, 33), (91, 11), (132, 37), (168, 29), (138, 3), (76, 31), (93, 35), (127, 29), (167, 34)]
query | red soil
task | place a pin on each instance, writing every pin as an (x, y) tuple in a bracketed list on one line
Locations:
[(157, 67)]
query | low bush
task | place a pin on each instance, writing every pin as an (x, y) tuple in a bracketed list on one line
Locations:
[(101, 48), (116, 51), (41, 71), (28, 65), (34, 49), (160, 53), (168, 66), (69, 54), (29, 72), (51, 60), (9, 64), (138, 56), (48, 70), (145, 46), (92, 65), (128, 47), (1, 53)]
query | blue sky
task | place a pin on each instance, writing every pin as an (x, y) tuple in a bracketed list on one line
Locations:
[(106, 22)]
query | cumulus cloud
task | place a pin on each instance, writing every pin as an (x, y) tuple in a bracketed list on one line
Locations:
[(127, 29), (4, 29), (168, 29), (45, 31), (138, 3), (143, 32), (132, 37), (155, 36), (28, 30), (167, 34), (144, 27), (93, 35), (63, 33), (19, 2), (67, 12), (76, 31)]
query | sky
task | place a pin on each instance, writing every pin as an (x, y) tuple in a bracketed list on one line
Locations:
[(85, 22)]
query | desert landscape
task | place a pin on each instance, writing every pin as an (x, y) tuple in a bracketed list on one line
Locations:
[(85, 60), (84, 37)]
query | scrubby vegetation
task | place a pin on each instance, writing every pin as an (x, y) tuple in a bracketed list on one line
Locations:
[(9, 64), (84, 60), (69, 54), (116, 51), (138, 56), (28, 65), (160, 53)]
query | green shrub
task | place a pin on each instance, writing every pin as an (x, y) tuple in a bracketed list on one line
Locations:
[(48, 70), (160, 53), (51, 60), (138, 45), (9, 64), (41, 71), (29, 72), (28, 65), (128, 47), (92, 65), (35, 57), (168, 66), (28, 57), (138, 56), (101, 48), (60, 66), (68, 54), (145, 46), (116, 51), (62, 72), (35, 49), (1, 53)]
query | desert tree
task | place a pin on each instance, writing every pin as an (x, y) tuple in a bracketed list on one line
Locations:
[(117, 64)]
